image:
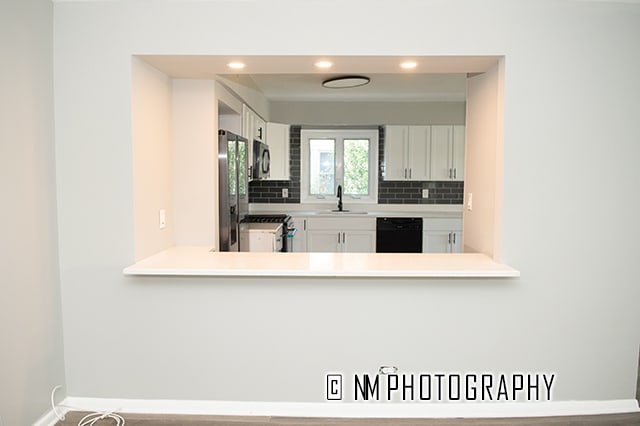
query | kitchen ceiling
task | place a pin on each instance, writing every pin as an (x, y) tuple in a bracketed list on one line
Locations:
[(296, 78), (382, 87)]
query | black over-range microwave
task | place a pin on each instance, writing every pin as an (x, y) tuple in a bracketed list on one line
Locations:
[(261, 160)]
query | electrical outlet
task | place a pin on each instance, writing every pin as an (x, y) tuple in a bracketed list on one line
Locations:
[(425, 193), (469, 201), (162, 219), (285, 192)]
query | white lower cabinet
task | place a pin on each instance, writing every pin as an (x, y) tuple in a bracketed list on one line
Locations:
[(298, 244), (341, 235), (442, 235)]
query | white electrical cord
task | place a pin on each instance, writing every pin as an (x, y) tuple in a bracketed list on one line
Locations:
[(53, 405), (89, 419)]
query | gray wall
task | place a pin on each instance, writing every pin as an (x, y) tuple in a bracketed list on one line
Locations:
[(31, 354), (376, 113), (571, 134)]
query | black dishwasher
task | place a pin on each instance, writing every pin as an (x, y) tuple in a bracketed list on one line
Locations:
[(399, 235)]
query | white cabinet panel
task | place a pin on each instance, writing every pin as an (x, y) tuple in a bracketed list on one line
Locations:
[(442, 235), (253, 127), (323, 241), (359, 241), (260, 128), (278, 141), (446, 157), (418, 152), (406, 152), (458, 153), (395, 147), (439, 156), (442, 242), (340, 234), (299, 241)]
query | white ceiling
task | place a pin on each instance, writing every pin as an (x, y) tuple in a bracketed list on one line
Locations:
[(295, 78), (382, 87)]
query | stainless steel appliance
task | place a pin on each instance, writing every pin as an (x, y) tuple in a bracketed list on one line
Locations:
[(288, 227), (261, 160), (232, 188), (399, 235)]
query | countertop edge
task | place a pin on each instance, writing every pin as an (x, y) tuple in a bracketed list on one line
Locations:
[(201, 262)]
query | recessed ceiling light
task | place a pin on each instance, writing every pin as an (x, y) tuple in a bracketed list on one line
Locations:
[(346, 82), (236, 65), (323, 64), (408, 65)]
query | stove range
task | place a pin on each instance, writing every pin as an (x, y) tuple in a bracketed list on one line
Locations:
[(268, 218), (288, 227)]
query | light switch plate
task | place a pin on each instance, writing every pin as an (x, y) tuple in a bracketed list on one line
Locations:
[(285, 192), (469, 201), (425, 193), (162, 218)]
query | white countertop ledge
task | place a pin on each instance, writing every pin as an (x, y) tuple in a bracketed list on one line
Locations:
[(200, 261)]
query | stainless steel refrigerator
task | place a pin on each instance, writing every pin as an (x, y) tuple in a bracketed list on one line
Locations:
[(233, 187)]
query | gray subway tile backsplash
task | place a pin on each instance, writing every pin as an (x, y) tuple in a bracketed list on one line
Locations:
[(389, 192), (270, 191)]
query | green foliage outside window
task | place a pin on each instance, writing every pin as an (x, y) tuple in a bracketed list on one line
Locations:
[(356, 166)]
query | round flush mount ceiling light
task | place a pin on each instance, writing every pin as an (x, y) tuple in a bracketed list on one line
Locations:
[(346, 82), (236, 65)]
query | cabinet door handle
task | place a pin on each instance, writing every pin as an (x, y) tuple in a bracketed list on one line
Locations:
[(454, 173), (344, 238), (410, 173), (449, 173), (449, 237), (405, 172), (338, 238), (454, 238)]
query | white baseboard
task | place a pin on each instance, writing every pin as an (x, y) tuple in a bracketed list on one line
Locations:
[(355, 410), (50, 418)]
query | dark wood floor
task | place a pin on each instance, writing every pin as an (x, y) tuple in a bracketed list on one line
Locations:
[(72, 418)]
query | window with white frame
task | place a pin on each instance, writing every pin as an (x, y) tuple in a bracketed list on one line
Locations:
[(346, 157)]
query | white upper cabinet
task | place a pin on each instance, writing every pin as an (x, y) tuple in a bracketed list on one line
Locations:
[(395, 152), (260, 128), (459, 147), (418, 152), (277, 138), (253, 128), (406, 150), (247, 122), (446, 157)]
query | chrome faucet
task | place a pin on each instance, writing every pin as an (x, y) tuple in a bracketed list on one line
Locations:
[(339, 198)]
